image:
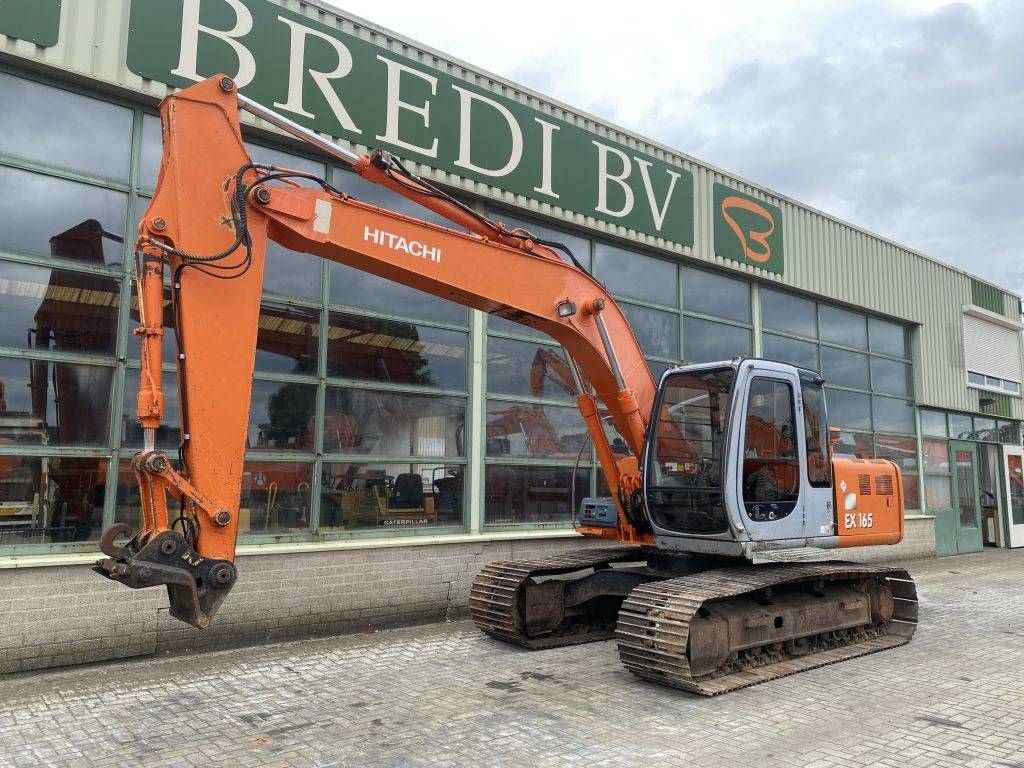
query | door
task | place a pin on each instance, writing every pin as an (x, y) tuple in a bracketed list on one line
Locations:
[(1014, 458), (966, 496)]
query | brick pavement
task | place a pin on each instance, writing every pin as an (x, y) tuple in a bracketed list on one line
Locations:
[(443, 695)]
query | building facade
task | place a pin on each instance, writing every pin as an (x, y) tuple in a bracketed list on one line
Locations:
[(397, 441)]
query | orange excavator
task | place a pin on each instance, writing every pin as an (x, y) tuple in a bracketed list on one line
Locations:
[(726, 506)]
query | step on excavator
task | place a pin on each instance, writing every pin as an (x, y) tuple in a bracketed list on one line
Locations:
[(713, 562)]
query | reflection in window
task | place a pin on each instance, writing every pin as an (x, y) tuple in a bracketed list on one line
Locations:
[(787, 313), (396, 352), (61, 218), (707, 342), (52, 403), (168, 436), (360, 421), (840, 326), (802, 354), (515, 495), (354, 288), (887, 338), (290, 273), (51, 500), (534, 431), (890, 377), (282, 416), (851, 410), (853, 444), (37, 125), (933, 423), (287, 340), (57, 309), (893, 415), (276, 497), (847, 369), (656, 331), (150, 152), (771, 469), (900, 450), (711, 294), (390, 497), (529, 370), (938, 492), (961, 427), (633, 275)]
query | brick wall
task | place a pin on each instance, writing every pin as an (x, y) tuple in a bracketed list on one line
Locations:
[(55, 616)]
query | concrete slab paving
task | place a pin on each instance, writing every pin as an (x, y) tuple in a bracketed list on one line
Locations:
[(444, 695)]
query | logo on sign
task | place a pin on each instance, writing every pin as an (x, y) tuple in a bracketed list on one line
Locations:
[(747, 230)]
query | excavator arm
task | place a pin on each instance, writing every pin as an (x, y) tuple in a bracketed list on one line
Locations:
[(206, 231)]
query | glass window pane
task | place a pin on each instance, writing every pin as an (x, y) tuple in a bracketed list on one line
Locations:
[(803, 354), (985, 430), (658, 368), (788, 313), (936, 456), (51, 500), (151, 152), (532, 495), (656, 330), (580, 246), (975, 378), (851, 410), (276, 497), (527, 369), (960, 426), (290, 273), (390, 497), (59, 128), (840, 326), (287, 340), (282, 416), (706, 342), (1011, 386), (168, 436), (362, 290), (55, 309), (396, 352), (50, 403), (847, 369), (633, 275), (712, 294), (854, 444), (933, 423), (911, 492), (893, 415), (938, 493), (61, 218), (900, 450), (887, 338), (524, 430), (890, 377), (359, 421), (1009, 432)]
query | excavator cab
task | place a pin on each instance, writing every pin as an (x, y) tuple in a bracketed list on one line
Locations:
[(738, 462)]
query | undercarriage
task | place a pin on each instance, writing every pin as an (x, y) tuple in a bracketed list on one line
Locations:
[(705, 625)]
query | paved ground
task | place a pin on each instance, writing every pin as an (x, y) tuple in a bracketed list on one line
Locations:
[(444, 695)]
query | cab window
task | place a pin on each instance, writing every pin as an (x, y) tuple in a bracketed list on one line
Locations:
[(771, 464)]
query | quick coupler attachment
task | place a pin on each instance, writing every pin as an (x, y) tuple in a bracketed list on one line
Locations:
[(196, 585)]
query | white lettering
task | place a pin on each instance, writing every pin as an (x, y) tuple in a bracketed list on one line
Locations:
[(396, 105), (399, 243), (297, 73), (603, 151), (189, 50), (547, 129), (466, 99), (658, 214)]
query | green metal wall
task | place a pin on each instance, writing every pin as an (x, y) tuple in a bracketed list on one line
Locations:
[(823, 256)]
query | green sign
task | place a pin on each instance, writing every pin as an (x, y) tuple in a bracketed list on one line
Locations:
[(339, 84), (37, 21), (747, 230)]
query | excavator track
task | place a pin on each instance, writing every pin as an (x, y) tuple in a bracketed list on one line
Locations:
[(506, 601), (729, 628)]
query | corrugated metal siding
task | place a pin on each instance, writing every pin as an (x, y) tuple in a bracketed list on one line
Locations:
[(823, 256)]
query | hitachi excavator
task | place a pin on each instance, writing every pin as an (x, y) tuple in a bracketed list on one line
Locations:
[(726, 504)]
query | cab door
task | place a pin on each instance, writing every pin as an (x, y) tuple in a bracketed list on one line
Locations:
[(770, 455), (1013, 456)]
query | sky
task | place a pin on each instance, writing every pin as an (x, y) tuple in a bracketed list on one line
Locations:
[(903, 117)]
